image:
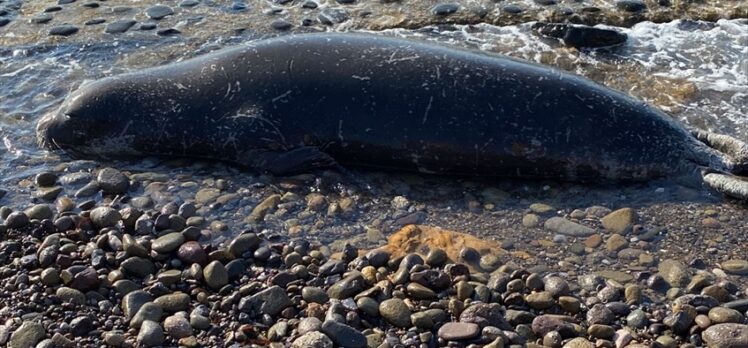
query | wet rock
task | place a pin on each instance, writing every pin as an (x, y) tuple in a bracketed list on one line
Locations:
[(458, 331), (343, 335), (110, 180), (46, 179), (17, 220), (566, 227), (39, 212), (105, 217), (167, 243), (244, 243), (259, 212), (192, 252), (347, 287), (581, 36)]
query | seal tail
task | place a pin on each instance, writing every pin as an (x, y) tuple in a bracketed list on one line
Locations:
[(736, 150)]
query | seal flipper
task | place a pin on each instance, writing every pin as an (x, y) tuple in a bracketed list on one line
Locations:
[(730, 185), (736, 150), (298, 160)]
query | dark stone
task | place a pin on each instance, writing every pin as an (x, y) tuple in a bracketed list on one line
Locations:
[(546, 2), (91, 5), (85, 280), (65, 2), (147, 26), (343, 335), (41, 19), (53, 9), (118, 27), (168, 32), (189, 3), (270, 301), (63, 30), (445, 9), (159, 11), (81, 326), (513, 9), (580, 35), (95, 21), (631, 5), (331, 16), (544, 324), (310, 4)]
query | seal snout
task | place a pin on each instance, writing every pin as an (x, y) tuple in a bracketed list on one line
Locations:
[(54, 130)]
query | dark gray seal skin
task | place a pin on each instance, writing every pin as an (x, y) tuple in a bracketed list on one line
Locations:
[(300, 102)]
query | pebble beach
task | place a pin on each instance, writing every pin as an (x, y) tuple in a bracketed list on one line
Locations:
[(168, 252)]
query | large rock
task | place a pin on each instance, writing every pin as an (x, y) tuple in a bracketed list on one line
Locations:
[(738, 267), (619, 221), (726, 336), (485, 314), (27, 335), (112, 181)]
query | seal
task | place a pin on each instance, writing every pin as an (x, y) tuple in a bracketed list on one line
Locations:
[(299, 102)]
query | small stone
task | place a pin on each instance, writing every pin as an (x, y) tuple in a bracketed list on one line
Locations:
[(110, 180), (458, 331), (729, 335), (148, 311), (270, 301), (216, 275), (343, 335), (601, 331), (721, 315), (314, 294), (39, 212), (259, 211), (177, 326), (579, 342), (674, 272), (631, 5), (312, 339), (619, 221), (616, 242), (150, 334), (737, 267), (138, 266), (159, 11), (540, 300), (396, 312), (46, 179), (568, 228), (174, 302), (445, 9), (244, 243), (167, 243), (530, 220), (105, 217)]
